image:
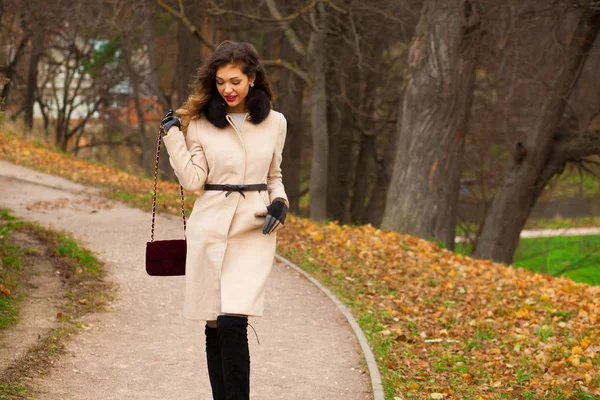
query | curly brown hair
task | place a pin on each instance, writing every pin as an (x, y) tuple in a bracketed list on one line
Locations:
[(204, 86)]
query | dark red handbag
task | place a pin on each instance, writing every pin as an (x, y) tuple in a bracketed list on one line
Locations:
[(165, 257)]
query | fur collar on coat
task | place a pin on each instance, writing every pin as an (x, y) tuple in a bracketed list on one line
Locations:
[(257, 103)]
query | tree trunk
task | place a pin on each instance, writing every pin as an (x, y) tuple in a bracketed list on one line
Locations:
[(291, 88), (384, 163), (134, 80), (37, 46), (154, 83), (526, 175), (377, 199), (318, 95), (343, 151), (188, 61), (334, 128), (423, 194), (367, 150), (364, 168), (10, 70), (165, 169), (364, 175)]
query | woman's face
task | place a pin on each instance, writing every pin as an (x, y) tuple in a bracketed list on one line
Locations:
[(234, 86)]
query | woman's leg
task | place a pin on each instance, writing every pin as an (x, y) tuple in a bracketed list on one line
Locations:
[(235, 355), (213, 360)]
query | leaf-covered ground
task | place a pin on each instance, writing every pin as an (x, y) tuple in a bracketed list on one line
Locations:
[(118, 184), (443, 326), (449, 326)]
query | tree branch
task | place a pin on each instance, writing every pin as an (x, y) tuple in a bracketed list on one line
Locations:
[(289, 66), (287, 29), (187, 22), (89, 114), (569, 148), (580, 146), (278, 19)]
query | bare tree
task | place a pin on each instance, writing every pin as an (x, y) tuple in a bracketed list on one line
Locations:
[(16, 40), (423, 193), (318, 116), (134, 78), (79, 82), (544, 152), (313, 56), (37, 46), (290, 99)]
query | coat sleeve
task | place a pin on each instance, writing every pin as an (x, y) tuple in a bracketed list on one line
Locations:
[(187, 158), (274, 178)]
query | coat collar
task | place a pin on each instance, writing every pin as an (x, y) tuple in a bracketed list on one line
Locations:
[(257, 103)]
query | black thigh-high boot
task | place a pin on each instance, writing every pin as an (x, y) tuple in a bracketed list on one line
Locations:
[(215, 366), (235, 355)]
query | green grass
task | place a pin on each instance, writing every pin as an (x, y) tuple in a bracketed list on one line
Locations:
[(67, 247), (9, 312), (11, 273), (571, 183), (12, 391), (84, 291), (577, 257)]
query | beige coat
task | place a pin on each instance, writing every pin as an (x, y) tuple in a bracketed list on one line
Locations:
[(228, 256)]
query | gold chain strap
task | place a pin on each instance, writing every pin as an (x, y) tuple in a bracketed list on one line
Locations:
[(160, 131)]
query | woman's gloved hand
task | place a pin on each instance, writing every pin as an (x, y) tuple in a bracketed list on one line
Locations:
[(276, 214), (170, 120)]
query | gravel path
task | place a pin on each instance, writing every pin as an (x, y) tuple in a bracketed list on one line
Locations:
[(539, 233), (143, 348)]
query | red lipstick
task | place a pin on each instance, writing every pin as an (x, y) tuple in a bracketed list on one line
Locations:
[(230, 99)]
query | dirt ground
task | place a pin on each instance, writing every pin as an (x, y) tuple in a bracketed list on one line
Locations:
[(143, 348), (41, 304)]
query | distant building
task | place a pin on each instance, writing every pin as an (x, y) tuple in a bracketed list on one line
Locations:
[(121, 104)]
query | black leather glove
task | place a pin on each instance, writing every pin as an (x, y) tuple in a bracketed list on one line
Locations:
[(276, 214), (169, 120)]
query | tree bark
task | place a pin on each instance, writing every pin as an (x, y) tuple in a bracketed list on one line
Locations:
[(154, 83), (334, 122), (37, 46), (318, 96), (344, 136), (423, 194), (10, 71), (377, 199), (134, 80), (156, 86), (532, 165), (291, 89), (187, 61), (364, 167)]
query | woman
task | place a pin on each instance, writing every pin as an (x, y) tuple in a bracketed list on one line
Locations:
[(233, 147)]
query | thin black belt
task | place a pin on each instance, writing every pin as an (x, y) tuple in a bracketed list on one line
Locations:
[(236, 188)]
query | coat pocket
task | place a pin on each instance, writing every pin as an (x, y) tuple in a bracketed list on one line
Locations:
[(264, 194), (260, 209)]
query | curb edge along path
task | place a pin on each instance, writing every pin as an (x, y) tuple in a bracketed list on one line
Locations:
[(377, 386), (143, 348)]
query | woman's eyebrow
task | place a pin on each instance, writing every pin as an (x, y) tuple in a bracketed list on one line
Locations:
[(232, 78)]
